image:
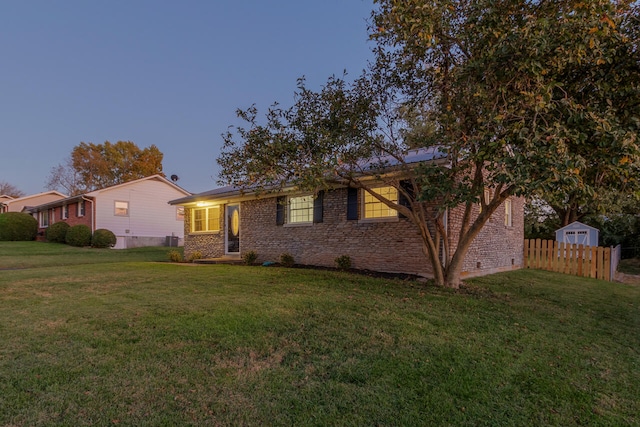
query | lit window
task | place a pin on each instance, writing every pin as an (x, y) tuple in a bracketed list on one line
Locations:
[(373, 208), (205, 219), (122, 208), (300, 209), (507, 213)]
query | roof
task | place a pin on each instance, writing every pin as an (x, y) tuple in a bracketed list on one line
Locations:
[(576, 225), (95, 193), (412, 156), (135, 181), (31, 196)]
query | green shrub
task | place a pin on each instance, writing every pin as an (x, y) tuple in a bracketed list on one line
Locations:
[(103, 238), (57, 233), (250, 257), (18, 226), (175, 256), (195, 255), (287, 260), (79, 235), (343, 262)]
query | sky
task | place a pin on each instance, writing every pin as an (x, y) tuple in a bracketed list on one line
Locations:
[(168, 73)]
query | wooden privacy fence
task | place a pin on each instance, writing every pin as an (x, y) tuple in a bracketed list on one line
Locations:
[(577, 260)]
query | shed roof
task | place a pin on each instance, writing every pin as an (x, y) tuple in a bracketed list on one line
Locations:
[(577, 225)]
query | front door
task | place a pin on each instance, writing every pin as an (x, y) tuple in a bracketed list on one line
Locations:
[(232, 230)]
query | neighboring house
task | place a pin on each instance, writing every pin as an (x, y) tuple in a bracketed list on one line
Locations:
[(579, 234), (227, 222), (19, 204), (137, 212)]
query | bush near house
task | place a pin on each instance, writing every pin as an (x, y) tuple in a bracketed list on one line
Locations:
[(175, 256), (103, 238), (287, 260), (79, 235), (18, 226), (249, 258), (343, 262), (57, 233)]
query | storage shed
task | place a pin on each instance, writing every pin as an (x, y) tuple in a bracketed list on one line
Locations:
[(578, 233)]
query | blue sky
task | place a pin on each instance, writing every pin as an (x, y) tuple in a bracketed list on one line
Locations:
[(158, 72)]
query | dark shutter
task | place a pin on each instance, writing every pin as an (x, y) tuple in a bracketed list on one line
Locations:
[(280, 205), (317, 207), (402, 199), (352, 204)]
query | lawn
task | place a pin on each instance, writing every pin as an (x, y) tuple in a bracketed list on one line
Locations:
[(104, 337)]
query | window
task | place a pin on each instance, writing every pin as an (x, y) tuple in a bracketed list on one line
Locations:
[(306, 209), (65, 212), (373, 208), (300, 210), (44, 219), (486, 195), (122, 208), (81, 208), (507, 213), (205, 219), (179, 213)]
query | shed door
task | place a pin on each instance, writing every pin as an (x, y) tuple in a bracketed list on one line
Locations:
[(577, 237)]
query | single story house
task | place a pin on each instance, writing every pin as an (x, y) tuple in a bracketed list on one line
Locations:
[(227, 222), (19, 204), (137, 212)]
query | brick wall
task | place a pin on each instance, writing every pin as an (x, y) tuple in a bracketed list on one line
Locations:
[(72, 220), (388, 246), (497, 247), (393, 246), (210, 245)]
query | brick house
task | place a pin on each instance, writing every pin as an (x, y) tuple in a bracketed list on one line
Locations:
[(226, 222), (136, 212)]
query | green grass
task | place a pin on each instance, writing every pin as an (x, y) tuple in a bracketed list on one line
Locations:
[(629, 266), (17, 255), (116, 337)]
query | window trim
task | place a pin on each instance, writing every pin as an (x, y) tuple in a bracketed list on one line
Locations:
[(508, 213), (65, 211), (43, 220), (81, 208), (206, 220), (308, 210), (115, 208), (179, 213), (363, 205)]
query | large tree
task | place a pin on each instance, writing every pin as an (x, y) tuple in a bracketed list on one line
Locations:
[(7, 189), (94, 166), (518, 96), (563, 75)]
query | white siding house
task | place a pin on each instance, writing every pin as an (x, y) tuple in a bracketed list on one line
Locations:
[(138, 212)]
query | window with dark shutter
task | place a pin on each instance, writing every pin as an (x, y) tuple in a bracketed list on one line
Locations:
[(317, 207), (280, 206), (405, 185), (352, 204)]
